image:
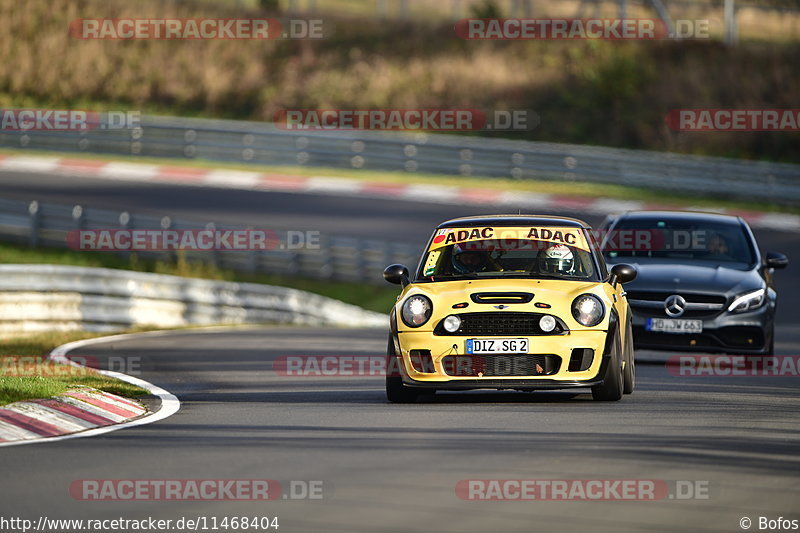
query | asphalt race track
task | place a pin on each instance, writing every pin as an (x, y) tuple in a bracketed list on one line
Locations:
[(394, 468)]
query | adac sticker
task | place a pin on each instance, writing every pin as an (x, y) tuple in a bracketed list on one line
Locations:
[(441, 235), (502, 236)]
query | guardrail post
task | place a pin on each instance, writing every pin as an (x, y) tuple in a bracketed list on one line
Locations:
[(124, 222), (78, 216), (252, 258), (214, 253), (293, 264), (35, 222), (361, 260), (403, 10), (455, 9), (382, 260), (729, 11), (326, 270)]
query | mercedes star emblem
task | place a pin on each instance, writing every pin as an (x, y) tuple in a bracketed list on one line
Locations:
[(675, 305)]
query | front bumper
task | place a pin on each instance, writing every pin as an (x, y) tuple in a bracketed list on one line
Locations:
[(558, 348), (741, 333), (500, 384)]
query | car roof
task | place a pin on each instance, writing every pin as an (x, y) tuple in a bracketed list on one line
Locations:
[(513, 220), (694, 216)]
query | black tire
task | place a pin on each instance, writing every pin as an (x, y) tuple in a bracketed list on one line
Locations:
[(770, 350), (629, 372), (612, 386), (396, 392)]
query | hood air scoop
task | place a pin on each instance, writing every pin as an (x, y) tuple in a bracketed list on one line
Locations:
[(501, 297)]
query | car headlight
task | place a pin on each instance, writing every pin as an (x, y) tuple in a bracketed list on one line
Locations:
[(547, 323), (588, 310), (748, 301), (452, 323), (416, 311)]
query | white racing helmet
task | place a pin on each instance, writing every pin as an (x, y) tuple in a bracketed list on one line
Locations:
[(557, 259)]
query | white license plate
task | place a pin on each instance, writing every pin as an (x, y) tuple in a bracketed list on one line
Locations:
[(497, 345), (674, 325)]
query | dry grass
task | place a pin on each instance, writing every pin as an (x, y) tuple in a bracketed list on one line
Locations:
[(611, 93)]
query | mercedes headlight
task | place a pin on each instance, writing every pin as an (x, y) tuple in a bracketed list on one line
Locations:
[(748, 301), (588, 310), (416, 311)]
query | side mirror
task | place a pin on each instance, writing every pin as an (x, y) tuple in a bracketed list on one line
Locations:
[(622, 273), (397, 274), (776, 260)]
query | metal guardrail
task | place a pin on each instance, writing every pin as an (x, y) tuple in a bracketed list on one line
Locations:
[(265, 144), (336, 258), (47, 297)]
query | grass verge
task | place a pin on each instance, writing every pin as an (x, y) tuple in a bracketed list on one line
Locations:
[(27, 374)]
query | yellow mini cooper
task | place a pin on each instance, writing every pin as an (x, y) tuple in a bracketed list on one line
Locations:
[(510, 302)]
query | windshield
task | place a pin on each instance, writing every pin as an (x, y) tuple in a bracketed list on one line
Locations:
[(510, 252), (684, 240)]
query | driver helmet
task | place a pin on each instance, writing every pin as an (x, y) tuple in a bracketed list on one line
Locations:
[(557, 259), (466, 261)]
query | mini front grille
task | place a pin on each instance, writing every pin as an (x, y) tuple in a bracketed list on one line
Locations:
[(500, 323), (497, 365)]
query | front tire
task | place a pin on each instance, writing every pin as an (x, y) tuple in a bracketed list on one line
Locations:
[(611, 388), (396, 392), (770, 349), (629, 372)]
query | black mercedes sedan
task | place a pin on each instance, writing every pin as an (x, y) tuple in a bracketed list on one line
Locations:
[(702, 283)]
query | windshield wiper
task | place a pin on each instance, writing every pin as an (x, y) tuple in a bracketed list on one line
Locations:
[(469, 275), (546, 276)]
